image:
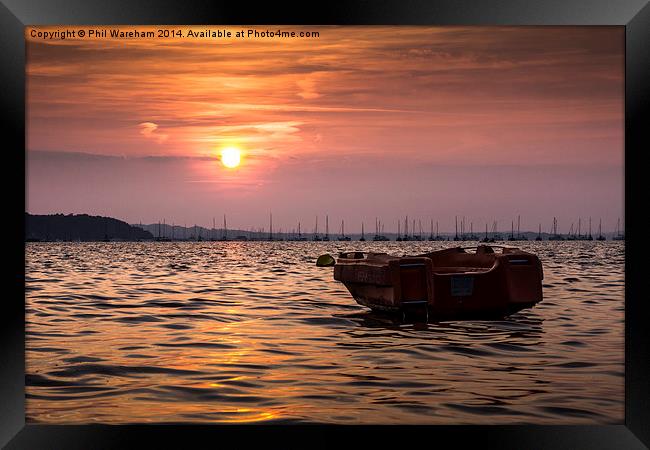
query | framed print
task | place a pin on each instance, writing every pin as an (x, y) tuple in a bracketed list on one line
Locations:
[(292, 224)]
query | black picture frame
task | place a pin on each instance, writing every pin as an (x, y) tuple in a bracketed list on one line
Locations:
[(634, 15)]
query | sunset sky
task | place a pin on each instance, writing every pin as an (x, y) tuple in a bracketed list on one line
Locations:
[(361, 122)]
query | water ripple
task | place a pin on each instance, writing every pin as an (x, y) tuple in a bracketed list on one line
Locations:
[(249, 332)]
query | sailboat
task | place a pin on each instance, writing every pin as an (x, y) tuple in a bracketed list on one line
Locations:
[(589, 236), (519, 236), (378, 232), (495, 235), (300, 236), (406, 236), (472, 236), (619, 236), (343, 237), (555, 236), (600, 231), (571, 236), (539, 233), (363, 234), (316, 236), (487, 238), (419, 236), (437, 235), (512, 233), (327, 228), (162, 236), (456, 238), (580, 236), (224, 236)]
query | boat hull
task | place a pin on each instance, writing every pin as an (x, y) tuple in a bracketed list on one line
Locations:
[(449, 283)]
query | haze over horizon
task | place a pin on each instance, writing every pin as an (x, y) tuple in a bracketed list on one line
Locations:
[(362, 122)]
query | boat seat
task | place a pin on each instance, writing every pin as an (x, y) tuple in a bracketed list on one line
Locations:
[(440, 270)]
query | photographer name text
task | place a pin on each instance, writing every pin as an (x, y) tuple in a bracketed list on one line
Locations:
[(168, 33)]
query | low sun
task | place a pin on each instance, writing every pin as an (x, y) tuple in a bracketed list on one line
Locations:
[(230, 157)]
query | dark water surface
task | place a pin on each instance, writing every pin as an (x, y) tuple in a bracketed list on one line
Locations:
[(248, 332)]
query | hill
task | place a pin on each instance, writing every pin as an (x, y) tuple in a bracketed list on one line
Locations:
[(80, 227)]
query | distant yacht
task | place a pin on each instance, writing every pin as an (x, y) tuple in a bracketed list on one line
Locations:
[(300, 236), (571, 236), (456, 238), (519, 236), (487, 238), (618, 236), (406, 236), (224, 236), (327, 229), (438, 237), (161, 235), (495, 235), (343, 237), (378, 236), (600, 231), (317, 238), (555, 236), (512, 233)]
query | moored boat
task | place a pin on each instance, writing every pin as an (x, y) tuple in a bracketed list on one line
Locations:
[(450, 283)]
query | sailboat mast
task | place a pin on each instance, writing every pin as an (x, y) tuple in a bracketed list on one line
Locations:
[(327, 226), (579, 227)]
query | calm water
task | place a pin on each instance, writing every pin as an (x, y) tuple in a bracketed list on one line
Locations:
[(249, 332)]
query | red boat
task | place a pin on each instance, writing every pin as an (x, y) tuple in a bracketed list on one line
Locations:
[(450, 283)]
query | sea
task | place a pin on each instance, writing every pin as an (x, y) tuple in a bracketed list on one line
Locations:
[(254, 332)]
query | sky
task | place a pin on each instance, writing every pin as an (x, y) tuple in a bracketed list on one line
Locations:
[(485, 123)]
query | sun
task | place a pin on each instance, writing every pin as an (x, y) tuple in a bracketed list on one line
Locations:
[(230, 157)]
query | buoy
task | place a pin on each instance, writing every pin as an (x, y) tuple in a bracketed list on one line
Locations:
[(325, 260)]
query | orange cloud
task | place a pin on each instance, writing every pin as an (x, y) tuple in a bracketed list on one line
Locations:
[(150, 131)]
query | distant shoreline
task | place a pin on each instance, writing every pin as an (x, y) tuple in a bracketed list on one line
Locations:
[(86, 228)]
